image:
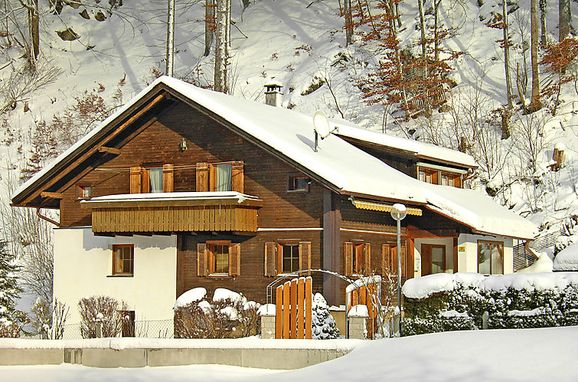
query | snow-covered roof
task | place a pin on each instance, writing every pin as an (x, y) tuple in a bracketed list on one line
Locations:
[(567, 259), (420, 149), (348, 169)]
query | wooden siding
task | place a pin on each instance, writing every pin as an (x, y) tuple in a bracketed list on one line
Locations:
[(174, 219)]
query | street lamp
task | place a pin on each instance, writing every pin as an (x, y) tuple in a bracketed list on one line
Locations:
[(398, 213)]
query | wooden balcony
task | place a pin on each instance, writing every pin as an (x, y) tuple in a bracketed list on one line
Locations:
[(174, 212)]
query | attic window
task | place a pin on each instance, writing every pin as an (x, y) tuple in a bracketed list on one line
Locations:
[(298, 183), (84, 192)]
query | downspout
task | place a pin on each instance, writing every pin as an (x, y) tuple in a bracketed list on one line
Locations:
[(46, 218)]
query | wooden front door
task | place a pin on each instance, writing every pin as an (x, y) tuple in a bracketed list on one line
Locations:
[(433, 259)]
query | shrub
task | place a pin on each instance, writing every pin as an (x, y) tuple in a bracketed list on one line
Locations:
[(102, 310), (512, 302), (230, 317)]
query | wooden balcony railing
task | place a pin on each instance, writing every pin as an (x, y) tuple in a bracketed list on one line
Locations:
[(174, 212)]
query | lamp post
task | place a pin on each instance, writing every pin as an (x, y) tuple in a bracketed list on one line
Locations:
[(398, 213)]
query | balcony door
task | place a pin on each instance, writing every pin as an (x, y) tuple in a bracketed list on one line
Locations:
[(433, 259)]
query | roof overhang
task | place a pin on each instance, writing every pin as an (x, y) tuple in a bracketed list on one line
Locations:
[(382, 207)]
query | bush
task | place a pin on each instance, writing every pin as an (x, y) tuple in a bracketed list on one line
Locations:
[(104, 310), (231, 317), (512, 302)]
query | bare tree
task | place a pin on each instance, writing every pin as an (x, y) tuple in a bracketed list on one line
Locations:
[(348, 16), (222, 40), (170, 51), (543, 30), (535, 102), (564, 17), (209, 25)]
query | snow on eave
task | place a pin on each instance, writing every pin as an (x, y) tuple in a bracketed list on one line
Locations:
[(166, 196), (25, 187), (420, 149)]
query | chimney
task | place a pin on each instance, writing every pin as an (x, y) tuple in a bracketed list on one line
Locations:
[(273, 94)]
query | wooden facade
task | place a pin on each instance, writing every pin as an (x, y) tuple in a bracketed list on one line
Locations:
[(322, 226)]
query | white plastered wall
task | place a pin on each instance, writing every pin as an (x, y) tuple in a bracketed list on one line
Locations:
[(83, 268), (468, 252), (448, 242)]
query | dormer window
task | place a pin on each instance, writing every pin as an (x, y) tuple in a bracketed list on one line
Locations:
[(435, 174)]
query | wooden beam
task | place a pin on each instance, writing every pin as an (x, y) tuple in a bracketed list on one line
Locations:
[(109, 150), (53, 195)]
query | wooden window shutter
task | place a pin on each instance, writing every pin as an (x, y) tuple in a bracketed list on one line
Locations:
[(202, 260), (145, 180), (135, 180), (348, 257), (279, 259), (202, 177), (305, 255), (386, 259), (270, 266), (235, 259), (237, 177), (366, 259), (212, 178), (168, 178)]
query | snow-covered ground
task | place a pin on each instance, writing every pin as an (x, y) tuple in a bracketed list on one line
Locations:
[(470, 356)]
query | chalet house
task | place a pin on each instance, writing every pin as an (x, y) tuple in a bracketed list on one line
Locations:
[(184, 187)]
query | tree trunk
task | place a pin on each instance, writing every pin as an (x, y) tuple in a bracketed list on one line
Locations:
[(564, 17), (543, 31), (222, 29), (535, 103), (347, 14), (209, 25), (436, 5), (506, 36), (425, 71), (34, 32), (170, 53)]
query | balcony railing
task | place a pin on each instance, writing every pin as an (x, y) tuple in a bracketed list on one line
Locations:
[(174, 212)]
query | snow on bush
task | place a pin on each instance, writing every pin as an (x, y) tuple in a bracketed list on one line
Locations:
[(443, 302), (567, 259), (322, 322), (227, 315)]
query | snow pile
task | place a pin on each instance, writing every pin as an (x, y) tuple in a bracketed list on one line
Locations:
[(443, 302), (192, 295), (324, 327), (358, 311), (567, 259), (543, 264)]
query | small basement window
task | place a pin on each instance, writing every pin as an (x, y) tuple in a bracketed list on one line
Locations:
[(298, 183)]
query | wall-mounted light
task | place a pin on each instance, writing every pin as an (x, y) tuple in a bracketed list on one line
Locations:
[(183, 145)]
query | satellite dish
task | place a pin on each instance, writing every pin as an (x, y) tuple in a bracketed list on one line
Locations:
[(321, 124)]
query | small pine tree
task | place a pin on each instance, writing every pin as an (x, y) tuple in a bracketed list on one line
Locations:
[(324, 327), (11, 319)]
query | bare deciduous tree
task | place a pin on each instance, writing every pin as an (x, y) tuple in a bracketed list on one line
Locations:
[(535, 102)]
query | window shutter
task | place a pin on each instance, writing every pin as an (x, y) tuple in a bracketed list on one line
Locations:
[(386, 259), (135, 178), (270, 269), (168, 178), (394, 259), (237, 177), (145, 180), (202, 266), (366, 259), (348, 258), (305, 255), (279, 259), (212, 178), (235, 259), (202, 177)]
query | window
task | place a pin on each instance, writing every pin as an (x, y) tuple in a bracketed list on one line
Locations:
[(123, 259), (433, 259), (128, 322), (490, 257), (84, 192), (218, 258), (287, 256), (445, 178), (389, 259), (428, 176), (298, 183), (224, 176), (152, 178), (357, 258), (290, 258)]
